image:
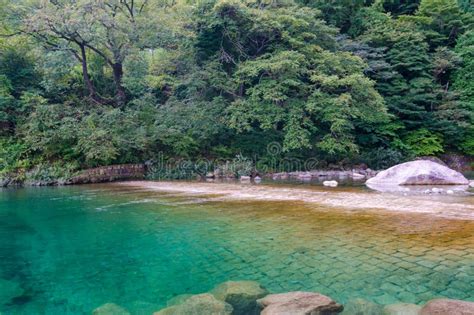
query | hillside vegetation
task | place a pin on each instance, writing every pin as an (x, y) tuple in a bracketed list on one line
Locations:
[(86, 83)]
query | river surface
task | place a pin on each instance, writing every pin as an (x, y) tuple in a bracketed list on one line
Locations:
[(68, 250)]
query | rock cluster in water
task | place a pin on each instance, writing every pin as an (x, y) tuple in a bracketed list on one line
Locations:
[(242, 295), (250, 298), (231, 297), (355, 174)]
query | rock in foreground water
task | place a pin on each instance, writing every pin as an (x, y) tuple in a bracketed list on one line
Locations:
[(402, 309), (178, 299), (110, 309), (447, 307), (299, 303), (362, 307), (420, 172), (198, 304), (9, 290), (242, 295)]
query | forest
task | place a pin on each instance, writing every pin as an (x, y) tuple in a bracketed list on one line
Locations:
[(86, 83)]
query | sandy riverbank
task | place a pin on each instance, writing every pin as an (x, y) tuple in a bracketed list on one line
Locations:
[(453, 207)]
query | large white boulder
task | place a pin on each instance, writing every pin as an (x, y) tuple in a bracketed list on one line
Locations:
[(421, 172)]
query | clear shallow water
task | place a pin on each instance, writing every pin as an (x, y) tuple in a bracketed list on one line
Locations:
[(72, 249)]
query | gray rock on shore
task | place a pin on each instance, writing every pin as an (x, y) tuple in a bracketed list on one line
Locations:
[(330, 183), (4, 182), (299, 303), (245, 178), (357, 176)]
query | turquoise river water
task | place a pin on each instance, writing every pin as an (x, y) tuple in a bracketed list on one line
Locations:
[(68, 250)]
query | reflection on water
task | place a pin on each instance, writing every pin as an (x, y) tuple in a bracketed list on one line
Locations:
[(72, 249)]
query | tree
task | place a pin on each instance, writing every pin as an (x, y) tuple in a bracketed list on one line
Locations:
[(284, 77), (110, 29), (400, 7), (409, 89), (446, 19), (17, 77), (464, 86), (338, 12)]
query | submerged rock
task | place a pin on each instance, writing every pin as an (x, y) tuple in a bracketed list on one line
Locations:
[(299, 303), (143, 307), (362, 307), (9, 290), (330, 183), (242, 295), (198, 304), (402, 309), (420, 172), (178, 299), (447, 307), (110, 309)]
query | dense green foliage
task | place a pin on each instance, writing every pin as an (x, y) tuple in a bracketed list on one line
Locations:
[(94, 82)]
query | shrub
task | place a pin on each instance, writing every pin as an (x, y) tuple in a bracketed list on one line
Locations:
[(423, 142), (13, 158), (52, 172), (239, 166), (382, 158)]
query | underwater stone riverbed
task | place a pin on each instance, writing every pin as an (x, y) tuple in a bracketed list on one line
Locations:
[(72, 249)]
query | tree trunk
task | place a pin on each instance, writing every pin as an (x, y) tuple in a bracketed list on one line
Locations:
[(120, 95), (85, 73), (87, 80)]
